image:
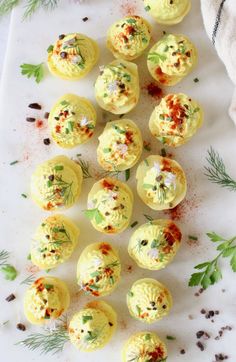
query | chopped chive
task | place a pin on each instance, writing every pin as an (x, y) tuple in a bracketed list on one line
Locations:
[(147, 8), (50, 48), (134, 224), (49, 183), (130, 294), (59, 168), (170, 338), (29, 257), (79, 155), (70, 126), (13, 163), (127, 174), (191, 237), (146, 162), (106, 150), (24, 195)]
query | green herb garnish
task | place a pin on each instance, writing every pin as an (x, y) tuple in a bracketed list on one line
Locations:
[(50, 48), (85, 167), (86, 318), (9, 272), (216, 171), (59, 168), (32, 70), (170, 338), (211, 272), (156, 57), (94, 214), (127, 174), (13, 163), (24, 195), (191, 237), (147, 8), (47, 341)]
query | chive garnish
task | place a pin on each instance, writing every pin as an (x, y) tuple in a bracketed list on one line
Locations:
[(134, 224), (14, 162)]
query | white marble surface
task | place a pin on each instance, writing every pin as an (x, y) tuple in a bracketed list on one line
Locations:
[(4, 32), (208, 207)]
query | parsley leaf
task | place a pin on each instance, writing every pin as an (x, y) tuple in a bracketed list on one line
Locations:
[(94, 214), (32, 70), (9, 272), (210, 271)]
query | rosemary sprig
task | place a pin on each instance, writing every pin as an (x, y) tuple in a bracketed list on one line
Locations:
[(33, 5), (211, 272), (50, 341), (29, 280), (216, 171), (7, 5)]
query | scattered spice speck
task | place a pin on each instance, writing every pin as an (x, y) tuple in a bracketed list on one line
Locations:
[(196, 80), (10, 297), (24, 196), (21, 327), (85, 19), (35, 106), (154, 91), (200, 345), (171, 338), (39, 123), (46, 115), (46, 141), (30, 119), (182, 351), (128, 7)]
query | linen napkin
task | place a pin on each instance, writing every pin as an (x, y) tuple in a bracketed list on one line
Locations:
[(219, 17)]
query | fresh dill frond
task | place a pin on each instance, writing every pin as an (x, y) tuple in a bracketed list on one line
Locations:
[(7, 5), (216, 171), (29, 280), (33, 5), (49, 341), (4, 255)]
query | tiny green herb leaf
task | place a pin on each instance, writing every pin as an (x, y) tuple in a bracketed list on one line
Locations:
[(86, 318), (170, 338), (50, 48), (9, 272), (33, 70)]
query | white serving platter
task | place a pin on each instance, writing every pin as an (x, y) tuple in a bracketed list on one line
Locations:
[(208, 207)]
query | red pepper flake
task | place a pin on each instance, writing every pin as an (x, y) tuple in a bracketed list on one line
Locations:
[(154, 90), (128, 7), (107, 185), (129, 137), (105, 248), (130, 30), (161, 76), (156, 354), (184, 209), (166, 165), (58, 128), (39, 123), (177, 111)]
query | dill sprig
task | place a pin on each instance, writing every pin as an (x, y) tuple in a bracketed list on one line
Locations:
[(210, 270), (29, 280), (216, 171), (33, 5), (49, 341), (7, 5), (4, 255)]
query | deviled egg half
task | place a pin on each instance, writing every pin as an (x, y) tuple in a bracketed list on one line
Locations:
[(46, 299), (161, 182), (54, 242), (176, 119), (110, 205), (72, 120), (154, 244), (148, 300), (93, 326), (72, 56), (98, 269), (56, 183), (117, 87), (171, 59), (168, 12), (127, 38), (143, 347), (120, 145)]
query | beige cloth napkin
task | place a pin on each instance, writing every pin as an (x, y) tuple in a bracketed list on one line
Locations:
[(219, 18)]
